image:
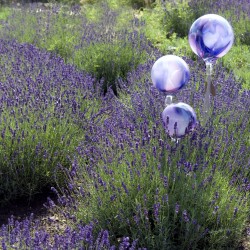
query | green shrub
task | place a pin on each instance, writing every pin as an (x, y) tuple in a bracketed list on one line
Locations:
[(109, 62), (4, 12), (125, 194), (56, 32), (177, 18), (141, 3), (167, 28), (61, 36), (238, 60), (33, 146), (68, 2), (118, 3)]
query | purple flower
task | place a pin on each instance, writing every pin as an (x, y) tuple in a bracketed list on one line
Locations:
[(177, 208), (165, 181), (215, 209), (156, 211), (185, 216), (235, 211), (124, 244), (125, 188)]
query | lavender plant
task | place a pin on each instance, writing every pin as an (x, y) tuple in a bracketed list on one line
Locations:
[(192, 195), (102, 50), (45, 109), (177, 17), (109, 54), (29, 234), (48, 27)]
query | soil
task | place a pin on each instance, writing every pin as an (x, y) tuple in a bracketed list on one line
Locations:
[(246, 240), (21, 209)]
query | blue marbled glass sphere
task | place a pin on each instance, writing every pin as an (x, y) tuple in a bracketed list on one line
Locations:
[(170, 73), (211, 37), (179, 119)]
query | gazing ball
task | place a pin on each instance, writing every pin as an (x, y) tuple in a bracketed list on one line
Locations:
[(179, 119), (211, 37), (170, 73)]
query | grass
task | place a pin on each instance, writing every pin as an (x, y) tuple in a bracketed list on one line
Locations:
[(4, 13), (239, 64)]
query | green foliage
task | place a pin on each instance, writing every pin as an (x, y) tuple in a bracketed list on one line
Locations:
[(109, 62), (4, 12), (61, 36), (114, 4), (154, 29), (241, 28), (125, 204), (238, 59), (161, 32), (92, 12), (57, 33), (178, 46), (84, 2), (140, 3), (167, 27), (178, 18), (33, 146), (68, 2)]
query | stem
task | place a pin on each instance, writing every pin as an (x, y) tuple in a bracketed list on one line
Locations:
[(209, 68), (168, 100)]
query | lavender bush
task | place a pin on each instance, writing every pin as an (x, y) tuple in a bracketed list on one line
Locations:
[(99, 48), (45, 108), (53, 28), (192, 195), (110, 53)]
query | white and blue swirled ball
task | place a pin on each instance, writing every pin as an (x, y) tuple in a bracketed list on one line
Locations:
[(170, 73), (179, 119), (211, 37)]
